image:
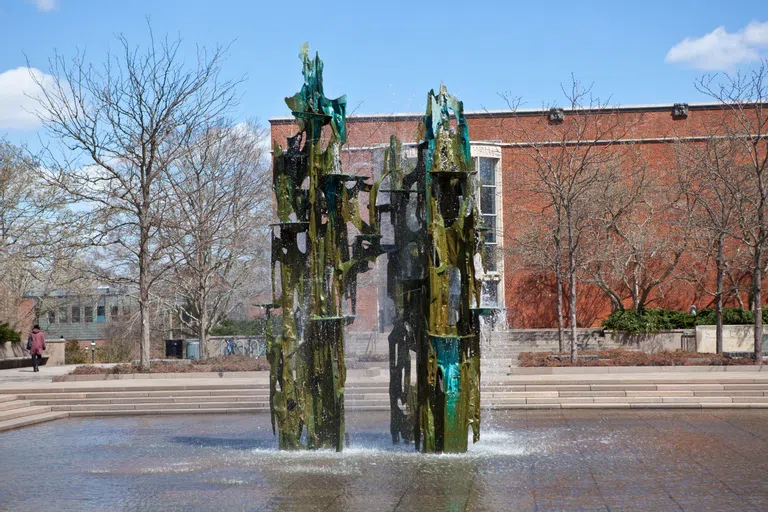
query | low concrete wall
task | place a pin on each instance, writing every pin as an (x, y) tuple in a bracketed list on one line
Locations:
[(15, 355), (647, 342), (13, 350), (54, 349), (736, 338)]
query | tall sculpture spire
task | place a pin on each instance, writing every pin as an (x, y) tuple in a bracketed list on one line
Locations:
[(317, 273), (449, 363)]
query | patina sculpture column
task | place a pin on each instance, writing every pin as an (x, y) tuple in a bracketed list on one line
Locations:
[(449, 359), (406, 280), (315, 201)]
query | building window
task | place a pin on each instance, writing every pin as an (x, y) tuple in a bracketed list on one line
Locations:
[(88, 314), (486, 168), (100, 313), (488, 208), (114, 312), (63, 315), (51, 317), (76, 314), (489, 295)]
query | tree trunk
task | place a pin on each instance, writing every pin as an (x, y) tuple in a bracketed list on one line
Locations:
[(635, 289), (203, 328), (719, 296), (144, 300), (757, 298), (559, 284), (572, 286), (560, 323)]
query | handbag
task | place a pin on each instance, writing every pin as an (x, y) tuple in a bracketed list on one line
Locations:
[(29, 343)]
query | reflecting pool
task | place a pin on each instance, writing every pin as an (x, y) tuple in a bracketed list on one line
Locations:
[(526, 460)]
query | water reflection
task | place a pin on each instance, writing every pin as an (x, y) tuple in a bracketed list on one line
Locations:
[(569, 460)]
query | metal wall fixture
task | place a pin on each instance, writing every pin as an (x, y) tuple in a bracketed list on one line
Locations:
[(556, 115), (680, 111)]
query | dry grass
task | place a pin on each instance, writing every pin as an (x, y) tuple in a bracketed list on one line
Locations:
[(619, 357)]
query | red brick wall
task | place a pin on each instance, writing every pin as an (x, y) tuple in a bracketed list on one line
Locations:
[(530, 297)]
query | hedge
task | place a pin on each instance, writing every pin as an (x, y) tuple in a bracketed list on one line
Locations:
[(8, 334), (654, 320)]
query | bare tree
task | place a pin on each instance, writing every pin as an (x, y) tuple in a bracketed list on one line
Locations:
[(34, 231), (743, 98), (121, 127), (566, 160), (538, 246), (637, 238), (218, 235), (713, 183)]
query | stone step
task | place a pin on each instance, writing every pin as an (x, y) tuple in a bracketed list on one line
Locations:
[(625, 405), (13, 404), (7, 398), (159, 407), (31, 420), (163, 412), (154, 412), (495, 392), (44, 399), (145, 394), (383, 399), (152, 400), (350, 404), (21, 412)]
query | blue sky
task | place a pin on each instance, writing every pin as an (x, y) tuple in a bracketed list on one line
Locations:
[(385, 56)]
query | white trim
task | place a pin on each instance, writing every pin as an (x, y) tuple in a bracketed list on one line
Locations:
[(484, 150), (586, 142)]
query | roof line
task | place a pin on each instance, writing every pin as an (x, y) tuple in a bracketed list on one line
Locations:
[(520, 111)]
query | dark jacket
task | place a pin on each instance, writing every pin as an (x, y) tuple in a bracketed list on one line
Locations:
[(38, 342)]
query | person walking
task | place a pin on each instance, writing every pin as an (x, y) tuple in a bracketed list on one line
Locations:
[(36, 345)]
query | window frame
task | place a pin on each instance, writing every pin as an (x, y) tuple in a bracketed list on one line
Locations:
[(495, 273)]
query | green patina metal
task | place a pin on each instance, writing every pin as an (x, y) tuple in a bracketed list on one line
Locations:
[(406, 281), (315, 202), (432, 276), (449, 364)]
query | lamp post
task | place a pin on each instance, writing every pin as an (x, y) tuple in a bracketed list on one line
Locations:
[(93, 352)]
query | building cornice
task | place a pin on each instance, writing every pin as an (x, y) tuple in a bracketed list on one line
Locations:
[(409, 116)]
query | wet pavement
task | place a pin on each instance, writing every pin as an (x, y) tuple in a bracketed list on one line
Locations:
[(526, 460)]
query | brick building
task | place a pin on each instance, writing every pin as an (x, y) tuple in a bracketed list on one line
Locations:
[(499, 143)]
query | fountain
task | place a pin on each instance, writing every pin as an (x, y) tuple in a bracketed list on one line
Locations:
[(433, 275), (310, 247)]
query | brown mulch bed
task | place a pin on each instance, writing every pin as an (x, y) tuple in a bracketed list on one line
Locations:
[(619, 357), (214, 364)]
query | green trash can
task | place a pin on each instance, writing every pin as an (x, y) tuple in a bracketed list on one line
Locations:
[(193, 349)]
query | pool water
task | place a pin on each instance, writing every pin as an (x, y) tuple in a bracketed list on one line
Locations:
[(526, 460)]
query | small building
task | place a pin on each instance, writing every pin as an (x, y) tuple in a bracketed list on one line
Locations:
[(82, 316)]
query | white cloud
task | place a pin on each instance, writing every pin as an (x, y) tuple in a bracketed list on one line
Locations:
[(16, 105), (44, 5), (720, 49)]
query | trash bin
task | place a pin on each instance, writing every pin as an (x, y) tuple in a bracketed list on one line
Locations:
[(174, 349), (193, 349)]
